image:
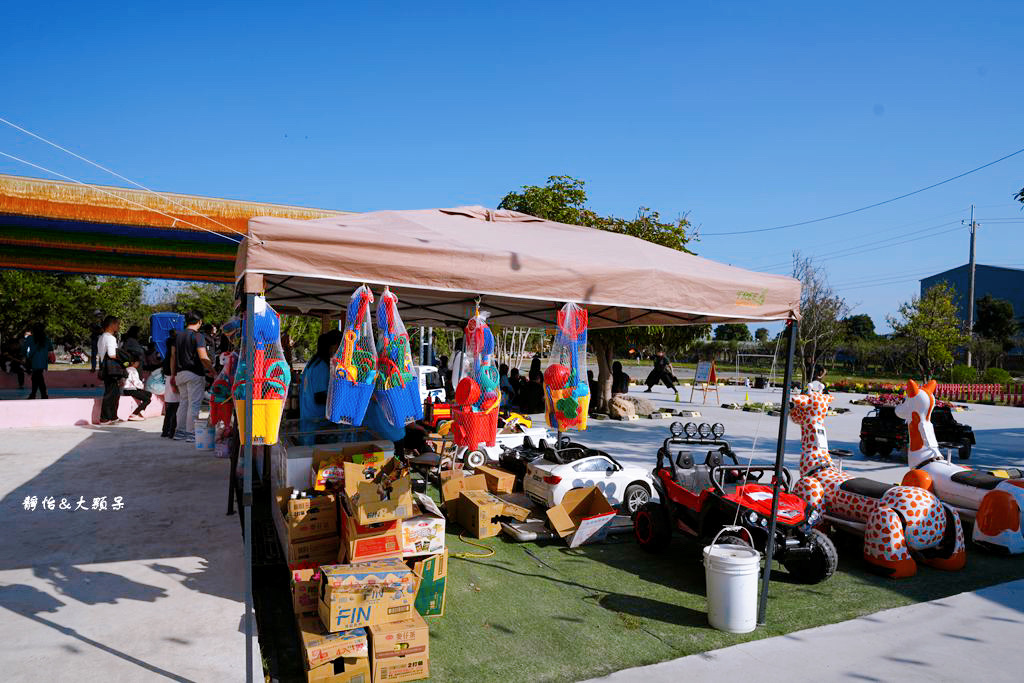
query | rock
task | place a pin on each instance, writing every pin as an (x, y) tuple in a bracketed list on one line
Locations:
[(619, 408), (642, 406)]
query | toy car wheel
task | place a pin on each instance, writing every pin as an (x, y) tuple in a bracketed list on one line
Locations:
[(867, 448), (817, 566), (475, 459), (884, 451), (965, 451), (650, 526), (635, 497)]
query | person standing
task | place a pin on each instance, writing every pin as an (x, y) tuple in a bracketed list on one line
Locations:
[(170, 391), (95, 330), (661, 372), (191, 365), (313, 389), (14, 360), (110, 370), (37, 355)]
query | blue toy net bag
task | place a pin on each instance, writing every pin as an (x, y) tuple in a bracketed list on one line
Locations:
[(398, 388), (354, 366), (269, 376), (566, 387)]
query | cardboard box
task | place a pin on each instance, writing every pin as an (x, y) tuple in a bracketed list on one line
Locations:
[(358, 452), (318, 551), (400, 651), (477, 512), (365, 593), (454, 484), (582, 517), (518, 506), (309, 517), (366, 542), (431, 577), (498, 480), (372, 501), (423, 534), (305, 582), (341, 670), (319, 646)]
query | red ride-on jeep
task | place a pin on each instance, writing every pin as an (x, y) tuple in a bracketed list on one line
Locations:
[(699, 499)]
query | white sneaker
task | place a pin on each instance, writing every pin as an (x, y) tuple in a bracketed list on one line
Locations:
[(136, 418)]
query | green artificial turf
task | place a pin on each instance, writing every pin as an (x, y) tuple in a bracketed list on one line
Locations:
[(572, 614)]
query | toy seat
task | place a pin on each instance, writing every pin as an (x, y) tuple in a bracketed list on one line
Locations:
[(976, 479), (690, 476), (863, 486)]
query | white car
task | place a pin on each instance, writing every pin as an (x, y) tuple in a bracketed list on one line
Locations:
[(624, 486)]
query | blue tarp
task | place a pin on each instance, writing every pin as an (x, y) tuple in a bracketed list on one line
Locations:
[(160, 325)]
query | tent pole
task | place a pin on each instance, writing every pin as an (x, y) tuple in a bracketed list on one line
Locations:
[(780, 452), (248, 354)]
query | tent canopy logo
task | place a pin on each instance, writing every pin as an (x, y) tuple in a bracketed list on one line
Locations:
[(745, 298)]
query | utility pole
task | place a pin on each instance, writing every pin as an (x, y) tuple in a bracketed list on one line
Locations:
[(970, 291)]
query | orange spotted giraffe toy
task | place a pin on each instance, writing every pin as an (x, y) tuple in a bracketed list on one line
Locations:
[(995, 504), (899, 522)]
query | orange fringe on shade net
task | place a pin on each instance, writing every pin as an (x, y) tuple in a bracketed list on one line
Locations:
[(69, 201)]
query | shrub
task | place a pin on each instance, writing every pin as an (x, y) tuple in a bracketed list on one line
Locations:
[(996, 376), (961, 374)]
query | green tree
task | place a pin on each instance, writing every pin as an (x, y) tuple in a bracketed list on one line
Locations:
[(214, 302), (931, 329), (733, 332), (859, 326), (821, 309), (564, 199), (761, 334), (994, 320), (67, 304)]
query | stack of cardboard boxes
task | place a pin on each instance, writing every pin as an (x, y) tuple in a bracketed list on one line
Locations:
[(360, 607)]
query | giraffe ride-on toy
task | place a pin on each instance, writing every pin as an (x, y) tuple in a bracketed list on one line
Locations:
[(995, 504), (899, 523)]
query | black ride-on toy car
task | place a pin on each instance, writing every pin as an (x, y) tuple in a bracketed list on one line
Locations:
[(698, 499), (882, 432)]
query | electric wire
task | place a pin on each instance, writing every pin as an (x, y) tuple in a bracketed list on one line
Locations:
[(123, 199), (869, 206)]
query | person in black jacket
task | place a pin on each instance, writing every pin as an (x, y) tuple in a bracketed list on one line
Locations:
[(620, 380), (661, 372)]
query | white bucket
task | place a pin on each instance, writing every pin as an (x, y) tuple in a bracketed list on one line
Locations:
[(205, 435), (731, 573)]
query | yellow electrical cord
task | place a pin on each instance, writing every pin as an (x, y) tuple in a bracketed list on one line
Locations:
[(473, 556)]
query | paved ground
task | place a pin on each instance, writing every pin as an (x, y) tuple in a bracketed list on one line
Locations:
[(970, 636), (152, 591)]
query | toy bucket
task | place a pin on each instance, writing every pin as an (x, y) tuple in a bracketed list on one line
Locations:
[(205, 434), (471, 429), (731, 571), (347, 401), (556, 401), (266, 419), (401, 405)]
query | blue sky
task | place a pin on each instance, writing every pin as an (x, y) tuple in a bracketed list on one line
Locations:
[(743, 115)]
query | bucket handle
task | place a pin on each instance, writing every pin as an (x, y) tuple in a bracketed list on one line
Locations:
[(735, 528)]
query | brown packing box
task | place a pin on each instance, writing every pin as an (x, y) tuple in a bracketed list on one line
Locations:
[(455, 484), (583, 516), (400, 650), (308, 517), (319, 646), (341, 670), (365, 593), (318, 551), (361, 543), (366, 496), (498, 480), (431, 579), (378, 451), (477, 510), (423, 533), (305, 582), (517, 505)]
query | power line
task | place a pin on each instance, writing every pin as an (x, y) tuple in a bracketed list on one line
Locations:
[(118, 175), (124, 199), (869, 206)]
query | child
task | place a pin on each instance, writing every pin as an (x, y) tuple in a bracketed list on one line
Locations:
[(134, 387), (170, 392)]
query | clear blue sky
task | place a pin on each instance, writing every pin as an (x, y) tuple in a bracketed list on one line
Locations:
[(743, 115)]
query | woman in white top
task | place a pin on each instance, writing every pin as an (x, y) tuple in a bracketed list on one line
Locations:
[(110, 370), (134, 387)]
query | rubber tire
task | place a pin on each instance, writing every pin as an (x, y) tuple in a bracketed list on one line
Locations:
[(884, 451), (651, 528), (820, 565), (866, 448), (964, 453), (474, 459), (631, 490)]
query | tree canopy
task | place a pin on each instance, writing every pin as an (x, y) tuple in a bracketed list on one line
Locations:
[(820, 329), (931, 329), (859, 326), (734, 332), (994, 320), (761, 334)]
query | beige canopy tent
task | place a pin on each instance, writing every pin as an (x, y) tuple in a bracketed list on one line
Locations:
[(522, 269), (439, 260)]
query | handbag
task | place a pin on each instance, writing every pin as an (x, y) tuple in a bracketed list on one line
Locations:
[(112, 369)]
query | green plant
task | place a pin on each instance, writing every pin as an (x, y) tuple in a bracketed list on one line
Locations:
[(996, 376), (962, 374)]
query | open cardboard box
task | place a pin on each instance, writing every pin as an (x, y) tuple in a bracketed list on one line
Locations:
[(365, 542), (498, 480), (453, 483), (321, 549), (582, 517), (305, 582), (423, 534), (319, 646), (378, 492), (307, 518), (341, 670), (431, 578), (478, 512), (400, 651), (358, 452)]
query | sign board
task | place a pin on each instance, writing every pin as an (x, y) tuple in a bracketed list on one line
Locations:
[(703, 372), (707, 378)]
